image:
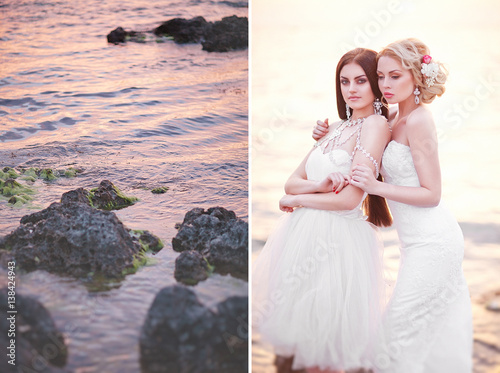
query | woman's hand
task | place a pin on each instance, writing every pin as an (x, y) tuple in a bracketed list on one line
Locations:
[(320, 129), (288, 203), (363, 178), (334, 182)]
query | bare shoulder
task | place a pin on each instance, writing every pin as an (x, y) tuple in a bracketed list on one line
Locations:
[(376, 124), (421, 118), (420, 127)]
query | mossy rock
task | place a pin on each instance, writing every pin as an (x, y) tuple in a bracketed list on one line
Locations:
[(72, 172), (19, 200), (148, 241), (11, 187), (18, 194), (8, 173), (48, 174), (75, 239), (160, 190), (108, 197)]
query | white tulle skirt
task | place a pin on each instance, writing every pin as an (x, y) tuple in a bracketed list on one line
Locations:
[(317, 289)]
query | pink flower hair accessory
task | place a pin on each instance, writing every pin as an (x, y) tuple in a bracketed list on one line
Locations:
[(429, 70)]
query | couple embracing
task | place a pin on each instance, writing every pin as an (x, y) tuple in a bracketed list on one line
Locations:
[(318, 286)]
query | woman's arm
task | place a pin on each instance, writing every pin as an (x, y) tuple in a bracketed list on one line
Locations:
[(348, 199), (421, 134), (374, 137)]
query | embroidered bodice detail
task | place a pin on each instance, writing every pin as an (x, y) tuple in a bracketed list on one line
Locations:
[(332, 142)]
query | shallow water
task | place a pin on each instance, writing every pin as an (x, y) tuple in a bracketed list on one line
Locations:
[(142, 115), (293, 72)]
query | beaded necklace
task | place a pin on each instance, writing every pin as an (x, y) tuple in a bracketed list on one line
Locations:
[(337, 134)]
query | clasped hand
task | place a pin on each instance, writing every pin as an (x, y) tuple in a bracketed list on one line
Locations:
[(363, 178)]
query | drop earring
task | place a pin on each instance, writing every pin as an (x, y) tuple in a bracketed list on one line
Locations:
[(416, 92), (377, 107), (347, 111)]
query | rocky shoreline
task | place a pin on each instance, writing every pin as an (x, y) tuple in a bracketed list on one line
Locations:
[(230, 33), (81, 237)]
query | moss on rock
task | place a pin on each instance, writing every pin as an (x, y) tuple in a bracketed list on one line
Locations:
[(72, 172), (19, 200), (108, 197), (48, 174), (8, 173), (17, 193), (160, 190), (148, 241)]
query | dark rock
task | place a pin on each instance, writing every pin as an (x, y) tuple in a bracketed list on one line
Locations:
[(231, 33), (191, 267), (229, 252), (181, 335), (184, 30), (37, 339), (74, 239), (78, 195), (218, 235), (232, 314), (118, 35), (173, 337)]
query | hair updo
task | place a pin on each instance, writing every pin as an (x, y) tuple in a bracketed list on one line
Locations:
[(410, 52)]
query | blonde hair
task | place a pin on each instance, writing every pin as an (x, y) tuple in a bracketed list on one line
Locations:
[(410, 52)]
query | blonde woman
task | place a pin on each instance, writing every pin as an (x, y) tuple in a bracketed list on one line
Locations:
[(427, 327)]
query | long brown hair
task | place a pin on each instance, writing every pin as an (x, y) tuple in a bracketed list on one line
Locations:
[(367, 60), (375, 206)]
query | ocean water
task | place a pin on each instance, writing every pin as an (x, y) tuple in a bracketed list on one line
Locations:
[(292, 85), (142, 115)]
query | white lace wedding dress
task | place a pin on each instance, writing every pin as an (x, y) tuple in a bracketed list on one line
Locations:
[(316, 285), (427, 327)]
